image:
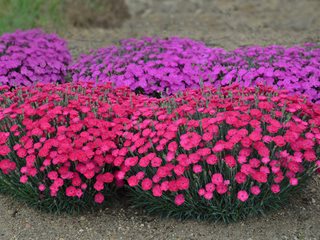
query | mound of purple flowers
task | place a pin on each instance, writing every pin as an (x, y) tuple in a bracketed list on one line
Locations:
[(31, 56), (153, 64), (296, 69), (173, 64)]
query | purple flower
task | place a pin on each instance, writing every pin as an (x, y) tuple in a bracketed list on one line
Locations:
[(32, 56), (171, 65)]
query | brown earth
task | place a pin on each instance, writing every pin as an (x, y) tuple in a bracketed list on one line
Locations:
[(221, 23)]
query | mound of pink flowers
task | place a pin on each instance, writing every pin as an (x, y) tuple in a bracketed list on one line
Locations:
[(28, 57), (210, 154), (166, 66), (222, 154), (56, 143)]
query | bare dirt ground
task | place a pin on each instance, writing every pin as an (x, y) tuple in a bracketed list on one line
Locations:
[(224, 23)]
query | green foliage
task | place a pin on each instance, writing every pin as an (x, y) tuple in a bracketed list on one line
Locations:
[(221, 208), (29, 194), (26, 14)]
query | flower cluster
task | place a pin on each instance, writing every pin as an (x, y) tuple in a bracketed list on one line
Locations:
[(59, 141), (221, 154), (170, 65), (295, 69), (32, 56), (152, 64), (206, 153)]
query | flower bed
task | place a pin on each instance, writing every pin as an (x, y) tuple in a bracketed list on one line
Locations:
[(221, 155), (165, 66), (208, 154), (209, 149), (56, 144), (28, 57), (296, 69), (151, 65)]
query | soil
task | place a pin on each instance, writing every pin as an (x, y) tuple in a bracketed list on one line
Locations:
[(222, 23)]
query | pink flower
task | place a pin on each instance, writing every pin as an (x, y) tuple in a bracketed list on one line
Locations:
[(7, 166), (133, 181), (279, 141), (212, 159), (255, 136), (156, 162), (79, 193), (164, 186), (260, 177), (267, 139), (265, 160), (131, 161), (99, 198), (144, 161), (294, 166), (242, 196), (179, 199), (197, 169), (242, 159), (23, 179), (119, 175), (208, 195), (294, 181), (108, 177), (190, 140), (201, 191), (275, 188), (4, 150), (98, 186), (218, 147), (210, 187), (71, 191), (217, 178), (240, 177), (140, 175), (53, 175), (42, 187), (172, 147), (221, 188), (179, 170), (146, 184), (156, 191), (230, 161), (255, 190), (183, 183), (170, 156)]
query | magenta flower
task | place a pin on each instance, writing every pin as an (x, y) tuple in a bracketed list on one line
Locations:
[(28, 57)]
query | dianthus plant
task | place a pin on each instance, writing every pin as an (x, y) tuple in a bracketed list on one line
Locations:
[(56, 144), (32, 56), (221, 154)]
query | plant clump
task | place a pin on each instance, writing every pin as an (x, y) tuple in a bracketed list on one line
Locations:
[(56, 144), (216, 154), (167, 66), (32, 56)]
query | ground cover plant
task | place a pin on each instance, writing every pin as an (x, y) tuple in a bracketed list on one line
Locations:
[(209, 154), (166, 66), (221, 154), (56, 144), (28, 57), (217, 138)]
